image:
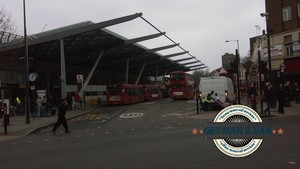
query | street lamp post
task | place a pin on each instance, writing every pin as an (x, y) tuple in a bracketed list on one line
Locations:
[(27, 101), (266, 15), (237, 55), (271, 78)]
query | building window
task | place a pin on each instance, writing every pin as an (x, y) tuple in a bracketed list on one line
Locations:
[(298, 9), (286, 13), (287, 38), (288, 49), (288, 45)]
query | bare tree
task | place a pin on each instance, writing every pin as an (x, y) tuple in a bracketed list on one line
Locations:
[(6, 26), (197, 74), (6, 23)]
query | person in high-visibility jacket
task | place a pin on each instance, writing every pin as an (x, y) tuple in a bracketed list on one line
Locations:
[(18, 100), (206, 101)]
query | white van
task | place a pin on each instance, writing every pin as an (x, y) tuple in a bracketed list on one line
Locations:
[(221, 86)]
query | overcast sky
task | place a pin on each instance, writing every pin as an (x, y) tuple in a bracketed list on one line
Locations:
[(200, 26)]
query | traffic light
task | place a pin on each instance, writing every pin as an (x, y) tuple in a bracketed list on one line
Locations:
[(263, 67)]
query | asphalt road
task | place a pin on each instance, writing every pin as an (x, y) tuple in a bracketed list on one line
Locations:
[(151, 135)]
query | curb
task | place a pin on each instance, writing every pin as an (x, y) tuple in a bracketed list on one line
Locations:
[(43, 126)]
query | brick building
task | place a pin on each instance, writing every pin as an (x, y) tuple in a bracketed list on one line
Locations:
[(283, 23)]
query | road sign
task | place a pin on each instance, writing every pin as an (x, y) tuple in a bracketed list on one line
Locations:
[(79, 78), (253, 70)]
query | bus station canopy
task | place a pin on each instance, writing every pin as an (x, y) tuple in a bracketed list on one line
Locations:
[(83, 42)]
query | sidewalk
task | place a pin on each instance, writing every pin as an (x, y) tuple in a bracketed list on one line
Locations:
[(293, 110), (18, 126)]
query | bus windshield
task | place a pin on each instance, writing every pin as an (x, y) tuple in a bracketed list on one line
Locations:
[(177, 86), (114, 89), (177, 76)]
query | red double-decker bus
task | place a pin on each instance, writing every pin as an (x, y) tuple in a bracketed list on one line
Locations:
[(118, 94), (181, 85), (151, 92)]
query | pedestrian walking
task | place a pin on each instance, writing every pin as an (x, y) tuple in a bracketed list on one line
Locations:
[(77, 101), (252, 94), (62, 109), (281, 99), (296, 93), (268, 98)]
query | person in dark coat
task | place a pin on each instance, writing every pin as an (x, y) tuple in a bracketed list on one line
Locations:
[(268, 98), (62, 109), (69, 101), (281, 99)]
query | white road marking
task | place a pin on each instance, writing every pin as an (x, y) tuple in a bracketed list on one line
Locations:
[(146, 103), (177, 113), (131, 115), (190, 108)]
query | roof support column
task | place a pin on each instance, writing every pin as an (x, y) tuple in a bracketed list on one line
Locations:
[(127, 71), (62, 70), (88, 78), (138, 79), (156, 75)]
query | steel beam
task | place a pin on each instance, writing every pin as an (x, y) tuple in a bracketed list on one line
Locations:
[(189, 63), (162, 48), (175, 54), (180, 60), (95, 26), (198, 68), (143, 38), (140, 74), (88, 78), (194, 66)]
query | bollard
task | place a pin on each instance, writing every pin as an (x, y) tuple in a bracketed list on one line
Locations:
[(6, 122)]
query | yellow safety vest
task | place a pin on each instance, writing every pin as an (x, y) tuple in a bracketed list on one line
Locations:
[(18, 100)]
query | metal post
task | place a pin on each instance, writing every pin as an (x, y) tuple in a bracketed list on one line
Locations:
[(62, 70), (197, 101), (237, 54), (127, 71), (238, 75), (27, 101), (269, 52), (260, 83), (4, 113)]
